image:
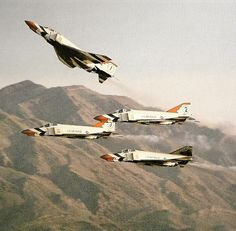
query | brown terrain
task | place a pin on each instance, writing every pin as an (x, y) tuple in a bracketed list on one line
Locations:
[(51, 183)]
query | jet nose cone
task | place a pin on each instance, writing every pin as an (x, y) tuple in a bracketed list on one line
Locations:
[(28, 132), (107, 157), (101, 118), (32, 25)]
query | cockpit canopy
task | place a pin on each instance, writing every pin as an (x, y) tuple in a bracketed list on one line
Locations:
[(48, 125), (49, 29), (122, 110), (128, 150)]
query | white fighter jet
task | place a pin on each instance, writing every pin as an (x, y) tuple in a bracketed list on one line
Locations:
[(178, 114), (179, 157), (100, 129), (72, 56)]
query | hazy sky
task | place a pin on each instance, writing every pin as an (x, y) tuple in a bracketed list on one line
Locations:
[(167, 52)]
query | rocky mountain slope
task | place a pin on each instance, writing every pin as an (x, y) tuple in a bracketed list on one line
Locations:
[(49, 183)]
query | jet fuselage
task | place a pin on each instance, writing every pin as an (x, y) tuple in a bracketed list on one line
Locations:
[(179, 157), (72, 56), (72, 131), (178, 114)]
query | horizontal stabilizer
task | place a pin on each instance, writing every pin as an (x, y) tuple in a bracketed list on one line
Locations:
[(193, 119)]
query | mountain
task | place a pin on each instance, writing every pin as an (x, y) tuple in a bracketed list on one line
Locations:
[(50, 183)]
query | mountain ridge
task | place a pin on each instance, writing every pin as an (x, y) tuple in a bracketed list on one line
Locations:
[(50, 183)]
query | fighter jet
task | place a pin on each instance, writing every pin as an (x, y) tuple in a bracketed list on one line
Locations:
[(72, 56), (178, 114), (179, 157), (101, 129)]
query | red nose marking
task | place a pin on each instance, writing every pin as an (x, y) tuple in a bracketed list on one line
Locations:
[(31, 25), (107, 157), (28, 132)]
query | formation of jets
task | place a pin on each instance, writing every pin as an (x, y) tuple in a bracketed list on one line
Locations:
[(72, 56)]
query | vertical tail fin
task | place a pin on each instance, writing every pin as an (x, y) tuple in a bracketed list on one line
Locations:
[(182, 109), (186, 151)]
